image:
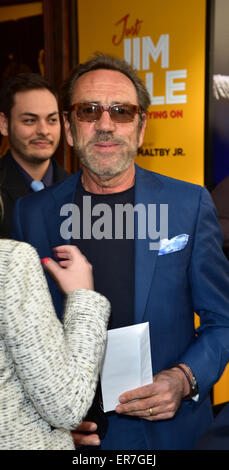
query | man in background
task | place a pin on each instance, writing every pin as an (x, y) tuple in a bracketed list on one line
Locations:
[(29, 116)]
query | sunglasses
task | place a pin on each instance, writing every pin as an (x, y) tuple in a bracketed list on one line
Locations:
[(92, 112)]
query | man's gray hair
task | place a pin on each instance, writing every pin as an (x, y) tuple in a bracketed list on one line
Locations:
[(107, 62)]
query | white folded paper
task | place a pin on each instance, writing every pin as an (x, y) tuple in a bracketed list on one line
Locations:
[(127, 362)]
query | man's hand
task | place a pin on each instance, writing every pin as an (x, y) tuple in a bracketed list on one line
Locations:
[(82, 436), (157, 401)]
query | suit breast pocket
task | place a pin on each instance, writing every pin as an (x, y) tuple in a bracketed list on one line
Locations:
[(174, 260)]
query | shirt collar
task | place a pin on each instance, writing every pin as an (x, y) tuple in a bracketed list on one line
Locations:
[(47, 178)]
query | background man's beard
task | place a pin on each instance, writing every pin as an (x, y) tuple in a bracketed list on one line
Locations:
[(32, 157), (29, 155)]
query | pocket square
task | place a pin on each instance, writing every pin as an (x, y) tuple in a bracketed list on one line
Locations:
[(174, 244)]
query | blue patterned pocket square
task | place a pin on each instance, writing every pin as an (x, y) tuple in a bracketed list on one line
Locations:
[(174, 244)]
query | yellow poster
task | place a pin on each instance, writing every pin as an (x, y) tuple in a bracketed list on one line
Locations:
[(165, 42)]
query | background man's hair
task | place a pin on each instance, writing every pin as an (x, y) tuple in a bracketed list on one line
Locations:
[(20, 83)]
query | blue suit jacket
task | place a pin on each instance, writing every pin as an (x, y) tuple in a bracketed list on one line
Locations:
[(168, 290), (217, 436)]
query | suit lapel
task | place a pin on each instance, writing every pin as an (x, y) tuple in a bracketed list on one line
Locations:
[(147, 191), (60, 194)]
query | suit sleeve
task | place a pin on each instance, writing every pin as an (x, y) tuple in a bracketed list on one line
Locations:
[(209, 280), (57, 365)]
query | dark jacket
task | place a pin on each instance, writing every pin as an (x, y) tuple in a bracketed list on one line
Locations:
[(217, 435), (13, 186), (220, 197)]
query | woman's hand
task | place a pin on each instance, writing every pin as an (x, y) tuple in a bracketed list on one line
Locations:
[(73, 272)]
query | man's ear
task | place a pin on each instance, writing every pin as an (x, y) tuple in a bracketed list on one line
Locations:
[(3, 124), (142, 131), (67, 128)]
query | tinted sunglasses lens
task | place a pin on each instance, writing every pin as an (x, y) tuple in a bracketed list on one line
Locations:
[(88, 112), (91, 112), (122, 113)]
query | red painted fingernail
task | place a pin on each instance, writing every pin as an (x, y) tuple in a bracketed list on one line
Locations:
[(45, 260)]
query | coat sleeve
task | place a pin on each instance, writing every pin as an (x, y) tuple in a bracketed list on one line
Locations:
[(209, 280), (57, 365)]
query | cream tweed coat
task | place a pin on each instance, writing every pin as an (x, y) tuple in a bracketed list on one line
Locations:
[(48, 371)]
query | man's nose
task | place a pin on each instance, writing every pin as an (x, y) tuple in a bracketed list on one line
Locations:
[(42, 127), (105, 123)]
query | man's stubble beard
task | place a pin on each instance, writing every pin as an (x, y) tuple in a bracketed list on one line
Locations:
[(94, 160), (29, 156)]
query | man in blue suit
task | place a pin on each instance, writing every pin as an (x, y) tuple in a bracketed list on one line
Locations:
[(160, 281)]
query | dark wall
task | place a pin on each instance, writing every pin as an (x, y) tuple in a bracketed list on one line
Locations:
[(21, 42)]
